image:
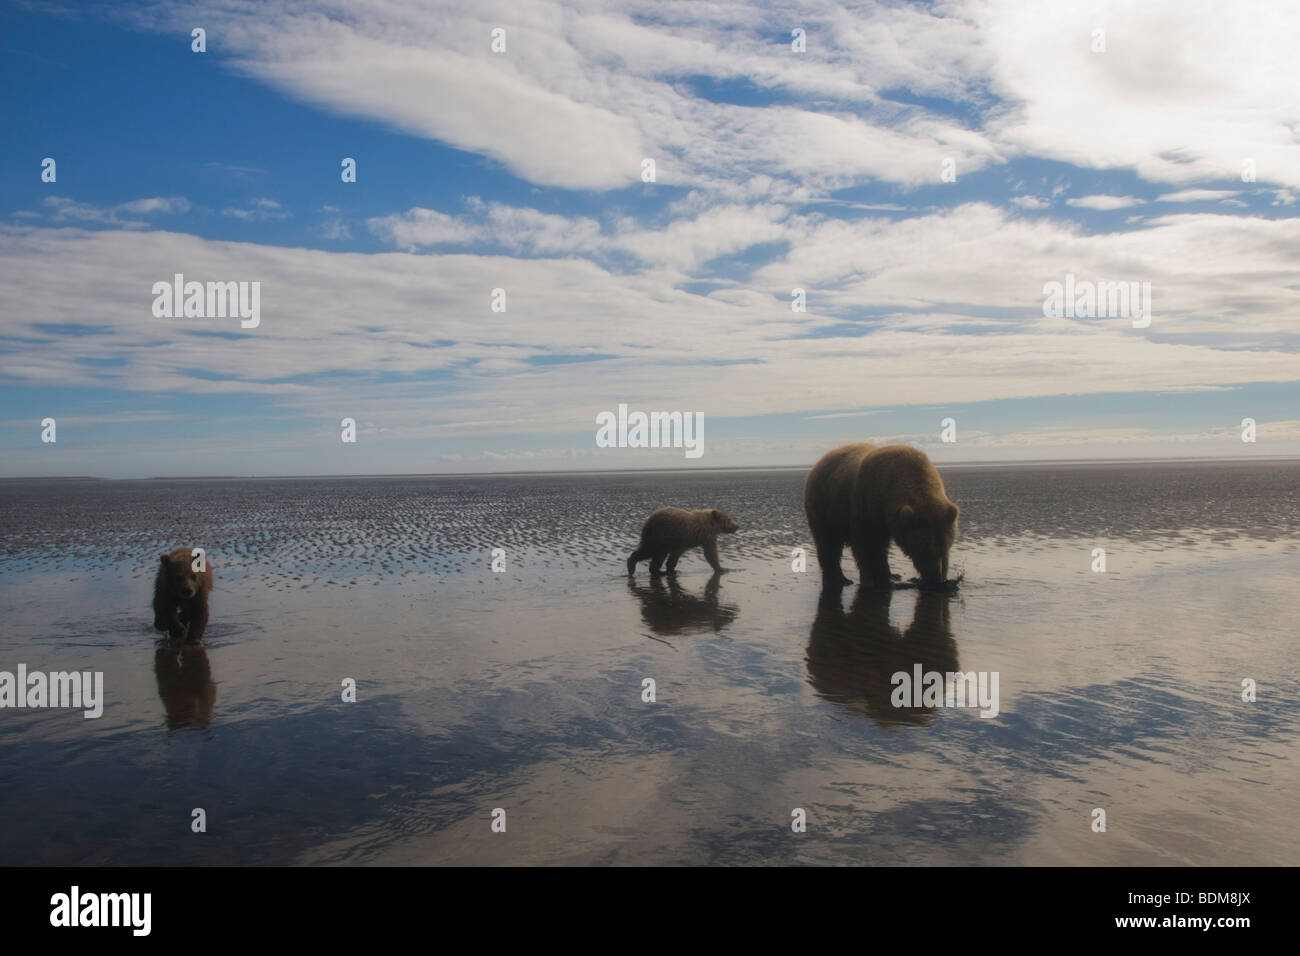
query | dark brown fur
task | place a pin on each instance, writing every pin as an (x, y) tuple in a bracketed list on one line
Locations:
[(180, 596), (828, 503), (670, 532), (867, 496)]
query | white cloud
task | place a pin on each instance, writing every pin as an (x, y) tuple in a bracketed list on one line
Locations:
[(173, 205), (932, 292), (587, 89), (258, 210), (1212, 275), (1104, 202), (1030, 202), (1182, 94), (1198, 195), (335, 229), (418, 228), (63, 209), (528, 230), (684, 244), (517, 229), (484, 103)]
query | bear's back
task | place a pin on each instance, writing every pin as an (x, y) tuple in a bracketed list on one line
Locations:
[(902, 475), (677, 526)]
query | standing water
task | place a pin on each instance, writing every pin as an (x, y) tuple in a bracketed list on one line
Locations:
[(524, 689)]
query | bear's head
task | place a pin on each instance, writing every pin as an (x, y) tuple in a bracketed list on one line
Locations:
[(926, 537), (722, 521), (182, 579)]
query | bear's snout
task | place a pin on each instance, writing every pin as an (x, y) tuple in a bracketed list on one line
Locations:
[(931, 572)]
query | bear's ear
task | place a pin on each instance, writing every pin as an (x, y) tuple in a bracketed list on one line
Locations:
[(905, 513), (716, 514), (164, 558), (951, 513)]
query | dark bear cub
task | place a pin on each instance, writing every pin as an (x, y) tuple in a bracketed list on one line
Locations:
[(180, 596), (670, 532)]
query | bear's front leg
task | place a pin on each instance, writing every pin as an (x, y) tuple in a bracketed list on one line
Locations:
[(711, 555), (176, 626), (196, 620), (872, 557)]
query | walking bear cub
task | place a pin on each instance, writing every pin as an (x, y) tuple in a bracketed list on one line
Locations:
[(867, 496), (180, 596), (670, 532)]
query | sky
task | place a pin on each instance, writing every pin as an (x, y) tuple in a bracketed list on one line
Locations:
[(921, 171)]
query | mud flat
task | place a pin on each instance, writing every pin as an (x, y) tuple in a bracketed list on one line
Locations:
[(523, 688)]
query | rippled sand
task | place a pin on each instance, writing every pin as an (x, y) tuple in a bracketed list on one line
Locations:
[(522, 690)]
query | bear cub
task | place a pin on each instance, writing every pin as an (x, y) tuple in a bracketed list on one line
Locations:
[(670, 532), (180, 596)]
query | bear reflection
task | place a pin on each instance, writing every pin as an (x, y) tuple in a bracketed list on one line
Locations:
[(185, 685), (852, 656), (669, 609)]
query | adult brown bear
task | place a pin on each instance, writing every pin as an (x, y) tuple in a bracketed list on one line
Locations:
[(866, 496)]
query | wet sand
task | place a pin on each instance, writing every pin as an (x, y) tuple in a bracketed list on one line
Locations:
[(522, 690)]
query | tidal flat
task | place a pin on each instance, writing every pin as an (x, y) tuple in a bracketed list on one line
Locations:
[(524, 689)]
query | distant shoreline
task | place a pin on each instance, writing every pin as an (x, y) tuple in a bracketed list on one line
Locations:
[(992, 463)]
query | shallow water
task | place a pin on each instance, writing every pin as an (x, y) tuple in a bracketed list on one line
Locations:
[(522, 690)]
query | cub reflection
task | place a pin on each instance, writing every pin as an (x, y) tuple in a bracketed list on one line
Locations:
[(852, 656), (669, 609), (185, 684)]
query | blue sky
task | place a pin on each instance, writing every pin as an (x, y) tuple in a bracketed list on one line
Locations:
[(821, 170)]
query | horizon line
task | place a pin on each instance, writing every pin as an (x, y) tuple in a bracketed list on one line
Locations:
[(980, 463)]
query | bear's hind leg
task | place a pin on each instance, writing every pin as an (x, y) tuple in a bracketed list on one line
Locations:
[(640, 554), (672, 561), (830, 550), (657, 561)]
